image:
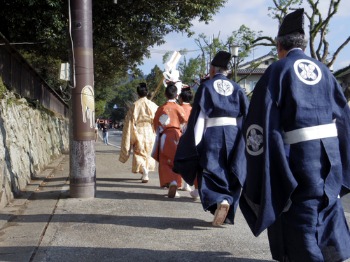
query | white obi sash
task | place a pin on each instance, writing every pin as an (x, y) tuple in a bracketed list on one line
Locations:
[(310, 133)]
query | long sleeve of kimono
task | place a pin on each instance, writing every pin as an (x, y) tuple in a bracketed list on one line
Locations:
[(344, 144), (265, 148), (126, 142), (342, 122), (239, 163), (186, 161)]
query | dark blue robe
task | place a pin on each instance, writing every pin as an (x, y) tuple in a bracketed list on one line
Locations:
[(218, 161), (293, 189)]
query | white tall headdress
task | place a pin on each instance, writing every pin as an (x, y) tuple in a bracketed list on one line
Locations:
[(170, 73)]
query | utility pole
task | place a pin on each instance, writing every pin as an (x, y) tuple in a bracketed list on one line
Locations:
[(82, 147)]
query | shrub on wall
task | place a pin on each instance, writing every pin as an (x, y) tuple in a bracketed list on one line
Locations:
[(3, 89)]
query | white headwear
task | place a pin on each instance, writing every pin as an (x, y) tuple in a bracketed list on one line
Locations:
[(171, 74)]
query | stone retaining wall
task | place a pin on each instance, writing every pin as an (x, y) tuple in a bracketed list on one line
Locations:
[(30, 138)]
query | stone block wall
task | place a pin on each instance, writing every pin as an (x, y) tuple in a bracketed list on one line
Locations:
[(30, 138)]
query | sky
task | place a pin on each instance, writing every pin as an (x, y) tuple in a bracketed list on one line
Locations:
[(254, 14)]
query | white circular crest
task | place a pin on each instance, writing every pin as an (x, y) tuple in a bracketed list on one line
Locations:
[(255, 140), (223, 87), (307, 71)]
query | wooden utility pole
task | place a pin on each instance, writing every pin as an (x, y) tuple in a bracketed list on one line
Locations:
[(82, 147)]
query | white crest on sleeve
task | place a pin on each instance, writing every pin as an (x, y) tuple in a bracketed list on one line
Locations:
[(223, 87), (307, 71), (164, 120), (254, 138)]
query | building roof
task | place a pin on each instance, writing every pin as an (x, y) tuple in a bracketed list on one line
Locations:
[(255, 66), (342, 72), (268, 56), (251, 71)]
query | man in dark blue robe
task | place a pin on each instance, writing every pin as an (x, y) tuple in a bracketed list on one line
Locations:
[(298, 154), (212, 148)]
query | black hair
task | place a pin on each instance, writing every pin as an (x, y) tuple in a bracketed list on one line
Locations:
[(295, 40), (186, 95), (142, 90), (171, 90)]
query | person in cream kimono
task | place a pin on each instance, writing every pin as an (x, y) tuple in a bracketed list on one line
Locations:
[(139, 135)]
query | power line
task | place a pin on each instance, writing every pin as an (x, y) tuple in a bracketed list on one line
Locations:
[(164, 51), (24, 43)]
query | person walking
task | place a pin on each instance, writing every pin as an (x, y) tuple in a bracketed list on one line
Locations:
[(298, 153), (168, 121), (105, 133), (212, 148), (185, 99), (96, 129), (139, 135)]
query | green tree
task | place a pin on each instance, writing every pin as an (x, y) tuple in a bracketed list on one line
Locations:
[(155, 85), (122, 96), (122, 33), (100, 108), (248, 39), (210, 45), (318, 29), (190, 71)]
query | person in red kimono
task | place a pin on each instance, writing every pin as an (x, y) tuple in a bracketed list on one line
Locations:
[(168, 121)]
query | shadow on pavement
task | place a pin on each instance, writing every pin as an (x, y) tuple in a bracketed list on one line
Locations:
[(120, 254), (131, 221)]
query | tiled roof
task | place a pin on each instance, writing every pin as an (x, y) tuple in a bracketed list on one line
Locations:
[(261, 58), (249, 71), (342, 72)]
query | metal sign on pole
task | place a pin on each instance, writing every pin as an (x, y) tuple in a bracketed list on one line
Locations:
[(82, 151), (64, 72)]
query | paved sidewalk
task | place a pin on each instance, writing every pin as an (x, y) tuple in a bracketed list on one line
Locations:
[(126, 221)]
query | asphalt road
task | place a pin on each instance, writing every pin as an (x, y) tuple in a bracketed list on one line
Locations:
[(115, 140)]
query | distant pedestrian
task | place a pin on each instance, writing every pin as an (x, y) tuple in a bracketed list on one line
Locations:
[(298, 154), (212, 148), (139, 135), (96, 130), (167, 122), (105, 133)]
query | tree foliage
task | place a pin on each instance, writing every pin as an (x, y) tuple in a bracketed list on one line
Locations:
[(115, 103), (122, 97), (155, 82), (318, 27), (191, 70), (122, 32), (210, 45), (249, 39)]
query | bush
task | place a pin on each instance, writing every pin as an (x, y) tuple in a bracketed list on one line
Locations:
[(3, 89)]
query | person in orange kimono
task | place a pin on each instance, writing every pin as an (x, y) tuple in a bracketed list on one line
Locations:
[(168, 121)]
